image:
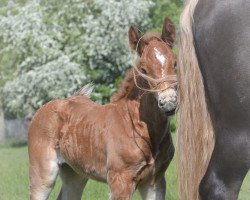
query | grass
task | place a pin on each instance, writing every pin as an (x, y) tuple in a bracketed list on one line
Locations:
[(14, 179)]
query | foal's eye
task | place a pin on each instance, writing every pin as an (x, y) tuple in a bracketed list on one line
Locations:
[(143, 71)]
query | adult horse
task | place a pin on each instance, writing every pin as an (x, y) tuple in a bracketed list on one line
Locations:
[(125, 143), (214, 118)]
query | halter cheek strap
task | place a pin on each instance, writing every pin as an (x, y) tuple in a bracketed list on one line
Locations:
[(172, 78)]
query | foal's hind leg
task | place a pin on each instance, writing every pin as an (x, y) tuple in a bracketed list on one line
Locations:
[(72, 184), (228, 167), (43, 170)]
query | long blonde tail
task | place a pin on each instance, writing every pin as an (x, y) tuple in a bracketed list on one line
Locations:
[(195, 137)]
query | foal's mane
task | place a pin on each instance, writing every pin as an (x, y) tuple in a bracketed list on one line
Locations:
[(150, 36), (128, 82), (125, 87)]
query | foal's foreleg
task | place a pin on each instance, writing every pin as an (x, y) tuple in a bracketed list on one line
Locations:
[(153, 191), (121, 186)]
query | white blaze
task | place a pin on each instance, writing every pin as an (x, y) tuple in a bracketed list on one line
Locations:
[(162, 59)]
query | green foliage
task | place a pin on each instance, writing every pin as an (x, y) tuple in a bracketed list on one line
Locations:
[(42, 40), (31, 90), (166, 8), (91, 35)]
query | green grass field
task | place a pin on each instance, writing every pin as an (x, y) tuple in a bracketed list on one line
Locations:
[(14, 179)]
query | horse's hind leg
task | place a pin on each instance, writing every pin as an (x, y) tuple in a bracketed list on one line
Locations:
[(43, 170), (72, 184), (228, 167)]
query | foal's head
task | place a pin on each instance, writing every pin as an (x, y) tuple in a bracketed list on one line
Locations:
[(157, 64)]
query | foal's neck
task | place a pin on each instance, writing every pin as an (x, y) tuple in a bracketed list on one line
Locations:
[(149, 111), (148, 121), (142, 106), (144, 112)]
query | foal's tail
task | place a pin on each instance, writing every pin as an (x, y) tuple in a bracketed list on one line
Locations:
[(195, 140), (85, 90)]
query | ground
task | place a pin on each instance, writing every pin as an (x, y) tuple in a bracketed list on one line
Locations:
[(14, 178)]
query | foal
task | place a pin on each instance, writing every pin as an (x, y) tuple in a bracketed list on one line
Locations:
[(125, 143)]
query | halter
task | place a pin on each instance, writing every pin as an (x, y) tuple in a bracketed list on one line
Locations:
[(157, 81)]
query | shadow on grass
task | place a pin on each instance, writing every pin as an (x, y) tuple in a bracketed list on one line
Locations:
[(14, 143)]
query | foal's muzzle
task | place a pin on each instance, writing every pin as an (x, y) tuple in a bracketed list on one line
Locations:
[(167, 101)]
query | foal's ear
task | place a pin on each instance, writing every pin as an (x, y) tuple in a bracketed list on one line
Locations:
[(168, 32), (135, 41), (133, 36)]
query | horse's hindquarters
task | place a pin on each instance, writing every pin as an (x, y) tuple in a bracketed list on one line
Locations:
[(222, 39)]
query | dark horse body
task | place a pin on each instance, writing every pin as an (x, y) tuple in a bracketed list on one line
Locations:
[(221, 38)]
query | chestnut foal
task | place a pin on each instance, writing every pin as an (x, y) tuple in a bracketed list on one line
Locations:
[(125, 143)]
